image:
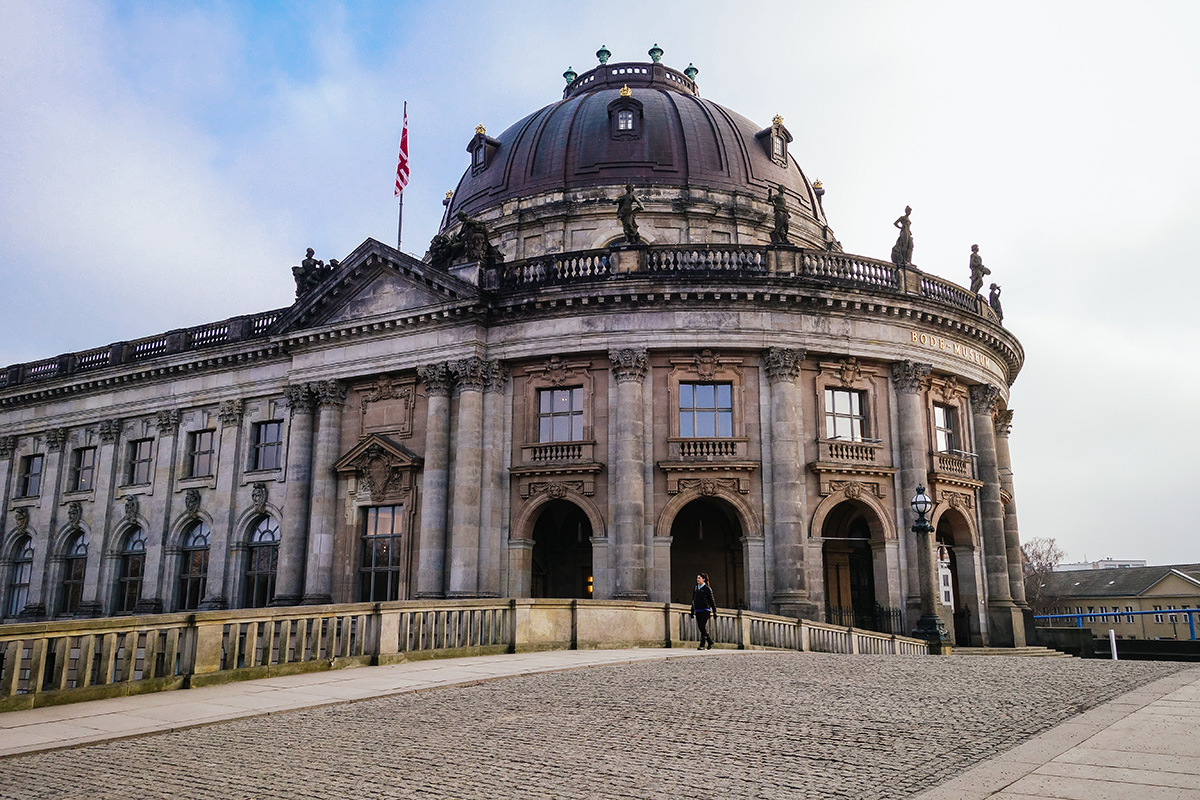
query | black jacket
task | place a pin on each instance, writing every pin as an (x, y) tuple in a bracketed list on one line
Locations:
[(702, 598)]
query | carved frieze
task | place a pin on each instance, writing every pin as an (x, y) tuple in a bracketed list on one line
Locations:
[(783, 363), (910, 377), (707, 487), (984, 398), (959, 501), (167, 421), (854, 490), (388, 406), (55, 439), (629, 364), (1003, 421), (437, 378), (559, 489), (557, 371), (230, 411)]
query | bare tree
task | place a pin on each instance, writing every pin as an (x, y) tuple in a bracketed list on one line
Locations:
[(1038, 559)]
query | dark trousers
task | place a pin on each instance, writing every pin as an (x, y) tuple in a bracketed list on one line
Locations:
[(702, 618)]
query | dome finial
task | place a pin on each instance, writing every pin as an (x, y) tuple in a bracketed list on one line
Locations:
[(603, 54), (480, 129), (691, 71), (655, 53), (776, 120), (626, 91), (570, 75)]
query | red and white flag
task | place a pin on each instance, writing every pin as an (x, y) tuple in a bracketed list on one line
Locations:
[(402, 163)]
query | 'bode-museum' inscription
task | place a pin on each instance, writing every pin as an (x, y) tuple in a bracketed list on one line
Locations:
[(961, 350)]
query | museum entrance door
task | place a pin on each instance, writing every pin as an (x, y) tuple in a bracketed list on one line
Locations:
[(849, 557), (706, 536), (562, 552)]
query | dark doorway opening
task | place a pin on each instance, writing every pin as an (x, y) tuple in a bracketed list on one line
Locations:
[(706, 536), (849, 562), (562, 552)]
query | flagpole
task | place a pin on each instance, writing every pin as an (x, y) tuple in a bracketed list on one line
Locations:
[(400, 221)]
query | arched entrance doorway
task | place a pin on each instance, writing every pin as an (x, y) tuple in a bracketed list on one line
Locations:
[(953, 536), (706, 536), (562, 552), (850, 562)]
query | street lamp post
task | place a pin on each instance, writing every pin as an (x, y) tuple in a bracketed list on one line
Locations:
[(930, 626)]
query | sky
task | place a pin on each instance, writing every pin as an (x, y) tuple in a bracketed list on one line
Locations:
[(165, 164)]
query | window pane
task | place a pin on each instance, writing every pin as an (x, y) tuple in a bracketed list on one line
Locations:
[(685, 395), (545, 398), (577, 398), (856, 429), (576, 427), (561, 429), (829, 426), (725, 395), (685, 424), (725, 423), (841, 402), (544, 429), (706, 396), (842, 428), (855, 402), (706, 424), (562, 400)]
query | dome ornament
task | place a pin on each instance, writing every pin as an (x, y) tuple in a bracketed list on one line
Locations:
[(691, 71), (479, 129), (626, 91), (776, 120), (603, 54), (655, 53), (570, 75)]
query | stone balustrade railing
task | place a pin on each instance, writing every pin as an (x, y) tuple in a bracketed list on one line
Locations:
[(48, 663), (949, 464), (848, 452), (709, 449), (557, 452)]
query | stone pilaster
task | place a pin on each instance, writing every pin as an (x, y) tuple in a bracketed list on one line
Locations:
[(156, 508), (7, 445), (435, 481), (791, 598), (218, 587), (330, 396), (1005, 621), (470, 376), (92, 601), (909, 379), (1012, 535), (43, 519), (293, 534), (627, 485), (495, 418)]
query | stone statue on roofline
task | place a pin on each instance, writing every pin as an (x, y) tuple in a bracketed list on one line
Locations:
[(310, 273), (779, 203), (903, 249), (978, 270), (628, 206), (994, 302), (472, 242)]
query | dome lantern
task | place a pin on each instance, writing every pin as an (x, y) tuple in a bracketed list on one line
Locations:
[(691, 71), (655, 53), (570, 74), (603, 54)]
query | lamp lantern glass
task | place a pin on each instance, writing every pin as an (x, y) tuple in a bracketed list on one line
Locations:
[(921, 504)]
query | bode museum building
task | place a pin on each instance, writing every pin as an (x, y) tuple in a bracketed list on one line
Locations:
[(634, 351)]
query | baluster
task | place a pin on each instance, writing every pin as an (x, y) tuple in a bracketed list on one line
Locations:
[(250, 645)]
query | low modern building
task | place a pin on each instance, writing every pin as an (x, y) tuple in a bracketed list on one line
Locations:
[(1118, 595), (635, 351), (1104, 563)]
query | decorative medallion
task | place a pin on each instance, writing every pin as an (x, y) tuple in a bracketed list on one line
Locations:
[(22, 519), (74, 514), (849, 371), (131, 508), (191, 501), (951, 390), (706, 364)]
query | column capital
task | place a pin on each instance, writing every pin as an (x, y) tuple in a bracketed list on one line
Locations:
[(7, 445), (1003, 420), (984, 398), (110, 430), (436, 377), (230, 411), (629, 364), (167, 421), (470, 374), (299, 398), (910, 376), (329, 393), (56, 438), (782, 363), (497, 376)]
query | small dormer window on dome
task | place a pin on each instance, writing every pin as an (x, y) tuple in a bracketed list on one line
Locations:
[(625, 115), (775, 140), (481, 147)]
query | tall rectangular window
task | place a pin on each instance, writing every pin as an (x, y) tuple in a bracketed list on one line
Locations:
[(83, 469), (268, 445), (1158, 617), (624, 120), (381, 565), (705, 410), (560, 415), (944, 435), (200, 454), (139, 467), (845, 417), (1129, 618), (29, 480)]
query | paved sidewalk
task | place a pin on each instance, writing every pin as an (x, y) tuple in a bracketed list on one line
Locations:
[(1143, 745), (73, 724)]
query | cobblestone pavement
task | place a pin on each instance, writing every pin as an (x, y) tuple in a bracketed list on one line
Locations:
[(786, 725)]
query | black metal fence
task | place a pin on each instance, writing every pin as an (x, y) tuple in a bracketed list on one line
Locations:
[(880, 619)]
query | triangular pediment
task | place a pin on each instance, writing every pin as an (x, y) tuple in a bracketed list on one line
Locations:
[(375, 446), (374, 281), (1173, 583), (384, 470)]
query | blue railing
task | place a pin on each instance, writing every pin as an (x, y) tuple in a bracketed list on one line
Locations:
[(1160, 613)]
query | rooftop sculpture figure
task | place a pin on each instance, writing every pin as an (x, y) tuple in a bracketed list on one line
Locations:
[(978, 270), (903, 249), (779, 202), (994, 302), (309, 274), (628, 206)]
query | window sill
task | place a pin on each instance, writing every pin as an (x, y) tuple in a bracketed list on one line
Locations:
[(259, 475), (202, 482), (78, 494)]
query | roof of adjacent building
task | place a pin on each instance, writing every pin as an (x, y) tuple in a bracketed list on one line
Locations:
[(1128, 582)]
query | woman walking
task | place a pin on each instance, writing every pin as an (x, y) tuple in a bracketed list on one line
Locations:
[(703, 607)]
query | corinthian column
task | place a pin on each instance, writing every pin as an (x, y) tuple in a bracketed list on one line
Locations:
[(293, 538), (628, 488), (908, 378), (330, 395), (470, 375), (495, 418), (787, 484), (435, 478), (1005, 623), (1012, 536)]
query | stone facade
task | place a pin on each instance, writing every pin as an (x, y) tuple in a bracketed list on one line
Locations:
[(580, 424)]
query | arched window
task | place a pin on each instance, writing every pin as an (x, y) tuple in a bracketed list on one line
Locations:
[(193, 567), (22, 572), (262, 558), (74, 568), (132, 569)]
